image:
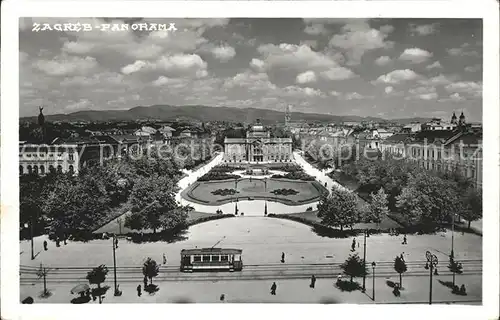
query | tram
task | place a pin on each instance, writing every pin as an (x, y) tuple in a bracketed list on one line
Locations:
[(211, 259)]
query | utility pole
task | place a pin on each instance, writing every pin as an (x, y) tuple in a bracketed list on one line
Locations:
[(364, 261), (32, 241)]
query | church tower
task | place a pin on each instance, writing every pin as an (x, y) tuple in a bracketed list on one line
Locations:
[(288, 116), (461, 121), (454, 118)]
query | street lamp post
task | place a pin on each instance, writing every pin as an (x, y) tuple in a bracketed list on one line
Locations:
[(114, 264), (373, 285), (452, 254), (265, 199), (31, 238), (364, 260), (432, 262)]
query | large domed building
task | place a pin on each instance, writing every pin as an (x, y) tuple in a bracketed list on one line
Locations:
[(257, 146)]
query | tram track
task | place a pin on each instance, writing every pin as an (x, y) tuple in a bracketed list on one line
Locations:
[(249, 272)]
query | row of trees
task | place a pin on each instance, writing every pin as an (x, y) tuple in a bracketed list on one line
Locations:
[(341, 208), (420, 196), (70, 204)]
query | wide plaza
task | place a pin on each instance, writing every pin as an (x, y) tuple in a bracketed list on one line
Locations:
[(263, 240)]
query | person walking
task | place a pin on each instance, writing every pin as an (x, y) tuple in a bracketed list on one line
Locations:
[(139, 291), (282, 257), (273, 289), (353, 246), (164, 259), (313, 281), (404, 239), (45, 245)]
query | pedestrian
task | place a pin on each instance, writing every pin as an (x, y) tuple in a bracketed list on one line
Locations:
[(45, 245), (282, 257), (353, 246), (65, 238), (313, 281), (402, 256), (404, 239), (273, 289), (164, 259), (139, 293), (222, 297), (116, 242), (145, 282), (339, 278), (57, 242)]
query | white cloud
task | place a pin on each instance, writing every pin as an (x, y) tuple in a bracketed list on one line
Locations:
[(424, 30), (134, 67), (178, 64), (81, 47), (306, 77), (456, 97), (300, 92), (438, 80), (338, 73), (66, 65), (434, 65), (415, 55), (81, 104), (398, 76), (389, 89), (357, 38), (383, 60), (144, 51), (335, 93), (422, 90), (294, 57), (386, 28), (462, 52), (315, 29), (102, 79), (423, 96), (474, 88), (250, 80), (474, 68), (224, 53), (353, 96), (257, 65), (171, 82)]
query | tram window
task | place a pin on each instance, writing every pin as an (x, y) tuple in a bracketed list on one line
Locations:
[(197, 258), (206, 258), (224, 258), (215, 258)]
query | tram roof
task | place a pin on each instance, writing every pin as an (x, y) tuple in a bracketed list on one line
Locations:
[(211, 251)]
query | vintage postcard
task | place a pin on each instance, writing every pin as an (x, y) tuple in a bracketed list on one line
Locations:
[(173, 156)]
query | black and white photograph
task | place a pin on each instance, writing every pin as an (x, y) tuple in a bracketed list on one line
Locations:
[(241, 160)]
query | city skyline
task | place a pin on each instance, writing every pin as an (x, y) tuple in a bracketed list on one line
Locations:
[(386, 68)]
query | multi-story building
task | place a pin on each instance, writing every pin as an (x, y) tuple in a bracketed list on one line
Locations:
[(41, 159), (257, 146), (457, 151)]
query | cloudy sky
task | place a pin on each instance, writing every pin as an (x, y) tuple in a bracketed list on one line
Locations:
[(390, 68)]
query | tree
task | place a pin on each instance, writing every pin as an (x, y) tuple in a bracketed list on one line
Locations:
[(98, 276), (472, 209), (42, 273), (150, 269), (339, 209), (400, 267), (152, 197), (135, 221), (378, 206), (354, 266), (454, 268)]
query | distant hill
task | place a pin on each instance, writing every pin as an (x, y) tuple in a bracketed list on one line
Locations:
[(198, 113)]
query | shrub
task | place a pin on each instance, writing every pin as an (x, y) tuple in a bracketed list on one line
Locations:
[(284, 192)]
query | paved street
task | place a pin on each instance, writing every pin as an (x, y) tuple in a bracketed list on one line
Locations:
[(289, 291)]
